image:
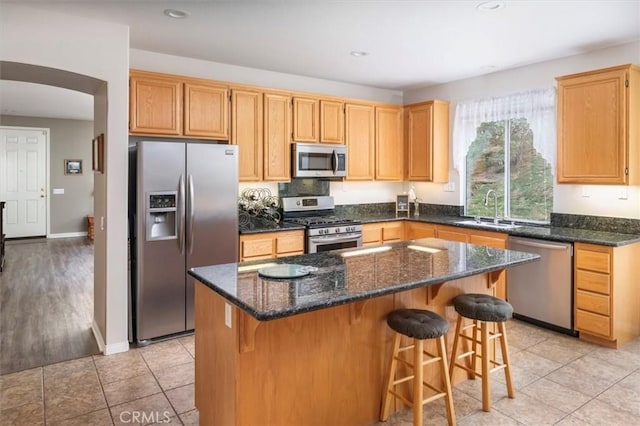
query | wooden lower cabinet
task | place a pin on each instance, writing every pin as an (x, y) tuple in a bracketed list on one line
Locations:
[(481, 238), (416, 230), (268, 245), (382, 232), (607, 295)]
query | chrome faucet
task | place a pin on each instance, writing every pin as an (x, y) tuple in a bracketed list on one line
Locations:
[(495, 204)]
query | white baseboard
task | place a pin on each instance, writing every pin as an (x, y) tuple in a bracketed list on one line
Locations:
[(111, 349), (116, 348), (98, 335), (67, 235)]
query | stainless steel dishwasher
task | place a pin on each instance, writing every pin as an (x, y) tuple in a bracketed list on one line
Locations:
[(542, 292)]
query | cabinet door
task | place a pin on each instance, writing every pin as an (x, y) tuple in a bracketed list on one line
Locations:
[(420, 155), (206, 111), (289, 243), (371, 234), (360, 139), (246, 132), (428, 142), (392, 231), (155, 105), (305, 120), (591, 128), (389, 152), (416, 230), (331, 122), (277, 129)]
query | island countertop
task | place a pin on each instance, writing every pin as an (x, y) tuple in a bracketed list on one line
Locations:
[(346, 276)]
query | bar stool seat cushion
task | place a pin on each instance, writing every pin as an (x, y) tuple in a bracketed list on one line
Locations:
[(483, 307), (418, 323)]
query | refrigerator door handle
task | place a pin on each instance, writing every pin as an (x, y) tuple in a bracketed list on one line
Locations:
[(192, 210), (181, 202)]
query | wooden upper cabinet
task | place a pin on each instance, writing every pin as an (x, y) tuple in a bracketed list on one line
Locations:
[(598, 130), (427, 130), (306, 119), (277, 131), (163, 104), (247, 132), (206, 111), (155, 105), (331, 121), (389, 144), (360, 140)]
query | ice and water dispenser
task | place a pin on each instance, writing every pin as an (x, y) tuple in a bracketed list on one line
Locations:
[(161, 215)]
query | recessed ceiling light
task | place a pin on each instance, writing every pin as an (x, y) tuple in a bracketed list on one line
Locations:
[(176, 14), (358, 53), (490, 6)]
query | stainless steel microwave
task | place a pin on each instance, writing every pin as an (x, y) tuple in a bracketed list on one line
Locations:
[(318, 160)]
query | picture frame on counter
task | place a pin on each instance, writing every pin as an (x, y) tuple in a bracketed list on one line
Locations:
[(73, 167), (402, 204)]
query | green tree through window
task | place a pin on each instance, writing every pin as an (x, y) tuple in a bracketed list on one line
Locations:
[(504, 159)]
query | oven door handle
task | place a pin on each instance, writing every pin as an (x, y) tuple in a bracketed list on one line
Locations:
[(323, 239)]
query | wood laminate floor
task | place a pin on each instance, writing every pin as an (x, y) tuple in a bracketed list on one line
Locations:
[(46, 303)]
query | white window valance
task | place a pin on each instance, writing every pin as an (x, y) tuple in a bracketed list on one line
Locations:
[(537, 106)]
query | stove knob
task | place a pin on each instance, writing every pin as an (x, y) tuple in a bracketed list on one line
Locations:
[(337, 230), (297, 203), (326, 231)]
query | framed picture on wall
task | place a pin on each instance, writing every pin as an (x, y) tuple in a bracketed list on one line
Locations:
[(97, 156), (72, 167)]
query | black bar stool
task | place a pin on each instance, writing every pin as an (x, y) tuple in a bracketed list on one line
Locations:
[(482, 309), (419, 325)]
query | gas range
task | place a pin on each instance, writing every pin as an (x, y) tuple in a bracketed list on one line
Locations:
[(324, 230)]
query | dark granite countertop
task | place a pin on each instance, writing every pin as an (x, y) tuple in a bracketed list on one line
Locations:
[(255, 225), (341, 279), (550, 233)]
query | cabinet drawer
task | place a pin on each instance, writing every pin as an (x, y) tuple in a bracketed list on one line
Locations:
[(593, 281), (253, 248), (392, 233), (593, 323), (592, 302), (289, 244), (593, 261)]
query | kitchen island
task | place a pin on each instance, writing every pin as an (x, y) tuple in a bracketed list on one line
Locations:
[(314, 349)]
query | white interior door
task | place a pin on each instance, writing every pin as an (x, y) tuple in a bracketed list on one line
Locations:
[(23, 168)]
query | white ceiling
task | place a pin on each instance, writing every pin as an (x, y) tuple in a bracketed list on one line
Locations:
[(409, 43)]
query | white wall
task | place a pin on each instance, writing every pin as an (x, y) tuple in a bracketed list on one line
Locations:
[(602, 200), (99, 50), (158, 62)]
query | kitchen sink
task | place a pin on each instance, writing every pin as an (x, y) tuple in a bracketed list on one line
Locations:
[(490, 225)]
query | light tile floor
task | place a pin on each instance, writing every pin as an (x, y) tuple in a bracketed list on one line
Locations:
[(558, 379)]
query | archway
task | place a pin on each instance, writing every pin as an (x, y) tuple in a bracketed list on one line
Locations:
[(97, 88)]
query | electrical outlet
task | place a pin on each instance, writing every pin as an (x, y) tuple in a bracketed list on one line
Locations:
[(586, 192), (449, 187), (227, 315), (623, 193)]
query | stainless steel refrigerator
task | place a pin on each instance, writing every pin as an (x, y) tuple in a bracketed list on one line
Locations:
[(182, 213)]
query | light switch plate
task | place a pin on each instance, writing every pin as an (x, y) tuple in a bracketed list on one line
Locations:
[(586, 192), (58, 191), (449, 187)]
